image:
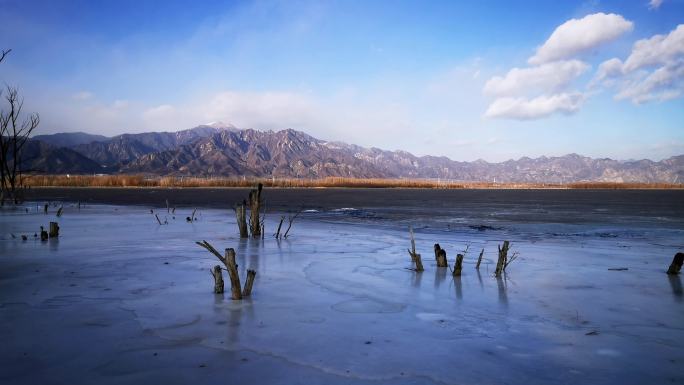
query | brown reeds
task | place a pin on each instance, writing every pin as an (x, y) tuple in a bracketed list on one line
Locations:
[(181, 181)]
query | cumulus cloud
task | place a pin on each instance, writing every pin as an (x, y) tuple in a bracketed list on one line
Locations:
[(579, 35), (657, 50), (542, 106), (655, 4), (654, 70), (665, 83), (547, 77)]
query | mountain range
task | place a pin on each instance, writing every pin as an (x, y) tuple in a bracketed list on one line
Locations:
[(224, 150)]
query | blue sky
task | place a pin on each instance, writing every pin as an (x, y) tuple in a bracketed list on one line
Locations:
[(482, 79)]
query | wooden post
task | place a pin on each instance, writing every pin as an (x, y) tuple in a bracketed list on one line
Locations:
[(54, 230), (501, 262), (440, 256), (479, 259), (43, 234), (218, 279), (254, 207), (458, 266), (241, 216), (415, 257), (251, 274), (676, 264)]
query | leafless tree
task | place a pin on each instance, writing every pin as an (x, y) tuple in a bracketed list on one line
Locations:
[(14, 133)]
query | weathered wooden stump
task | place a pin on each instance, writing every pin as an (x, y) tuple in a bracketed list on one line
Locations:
[(45, 208), (440, 256), (54, 230), (479, 259), (218, 279), (43, 234), (458, 266), (254, 211), (247, 291), (228, 260), (503, 256), (235, 287), (415, 257), (676, 264), (241, 216)]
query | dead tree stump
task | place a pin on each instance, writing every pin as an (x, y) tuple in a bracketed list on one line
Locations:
[(415, 257), (54, 230), (676, 264), (241, 216), (458, 266), (479, 260), (503, 256), (440, 256), (218, 279), (235, 286), (43, 234), (247, 291), (254, 208)]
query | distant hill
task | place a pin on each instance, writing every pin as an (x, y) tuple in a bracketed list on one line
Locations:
[(223, 150)]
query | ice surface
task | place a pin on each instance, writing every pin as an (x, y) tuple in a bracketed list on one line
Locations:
[(119, 299)]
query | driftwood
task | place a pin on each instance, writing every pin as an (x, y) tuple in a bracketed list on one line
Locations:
[(415, 257), (247, 291), (676, 265), (458, 266), (503, 256), (241, 216), (440, 256), (54, 230), (479, 259), (218, 279), (254, 207)]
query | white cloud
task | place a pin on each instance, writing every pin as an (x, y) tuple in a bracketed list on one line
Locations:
[(655, 4), (665, 83), (579, 35), (82, 95), (654, 70), (657, 50), (549, 77), (539, 107)]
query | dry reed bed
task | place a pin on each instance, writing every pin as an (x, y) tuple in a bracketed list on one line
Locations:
[(168, 181)]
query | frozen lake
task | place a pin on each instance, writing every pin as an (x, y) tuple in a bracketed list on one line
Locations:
[(120, 299)]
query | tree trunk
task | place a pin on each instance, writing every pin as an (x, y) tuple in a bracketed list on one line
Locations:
[(676, 264), (440, 256), (218, 279), (254, 207), (241, 215), (479, 259), (235, 286), (458, 266), (249, 281), (54, 230), (503, 256)]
